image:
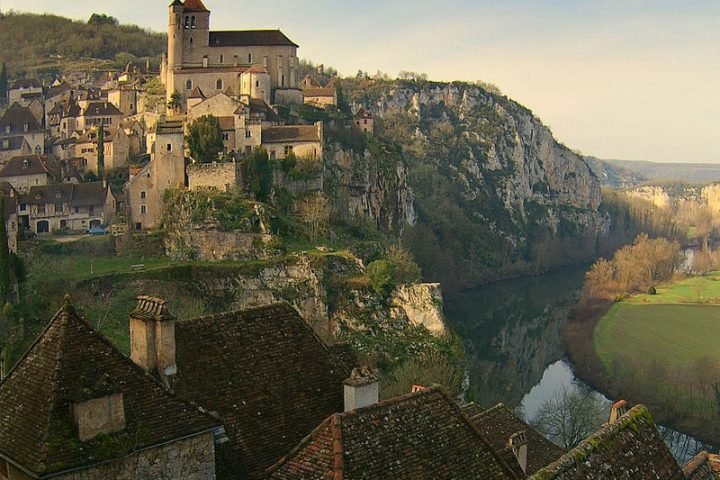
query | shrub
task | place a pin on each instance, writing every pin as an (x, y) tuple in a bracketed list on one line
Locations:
[(380, 274), (652, 291)]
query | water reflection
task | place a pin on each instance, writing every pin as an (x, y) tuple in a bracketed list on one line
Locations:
[(511, 332)]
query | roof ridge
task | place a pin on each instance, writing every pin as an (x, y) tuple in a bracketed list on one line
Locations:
[(301, 444), (490, 410), (338, 448), (501, 461)]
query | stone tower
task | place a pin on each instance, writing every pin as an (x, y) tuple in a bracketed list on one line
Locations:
[(196, 28), (175, 35)]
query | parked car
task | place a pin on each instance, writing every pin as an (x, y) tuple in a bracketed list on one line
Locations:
[(97, 231)]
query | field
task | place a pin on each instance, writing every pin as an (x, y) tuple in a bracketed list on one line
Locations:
[(677, 326)]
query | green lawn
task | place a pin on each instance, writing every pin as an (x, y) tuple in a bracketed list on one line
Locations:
[(704, 289), (675, 334)]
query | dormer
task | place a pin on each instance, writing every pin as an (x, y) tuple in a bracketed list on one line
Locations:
[(26, 127), (98, 416), (25, 163)]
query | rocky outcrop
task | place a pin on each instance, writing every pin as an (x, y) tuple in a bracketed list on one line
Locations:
[(370, 186), (421, 304)]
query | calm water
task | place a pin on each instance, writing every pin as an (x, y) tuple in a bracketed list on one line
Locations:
[(511, 332)]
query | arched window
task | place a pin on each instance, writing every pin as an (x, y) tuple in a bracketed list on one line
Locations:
[(188, 85), (37, 150), (222, 59), (190, 39), (192, 22), (187, 21), (219, 84)]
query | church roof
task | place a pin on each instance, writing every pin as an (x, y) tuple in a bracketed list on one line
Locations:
[(250, 38), (70, 363), (630, 448), (267, 375), (498, 423), (194, 6), (422, 436)]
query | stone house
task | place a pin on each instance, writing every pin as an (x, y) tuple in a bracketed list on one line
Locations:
[(100, 113), (75, 408), (215, 61), (305, 141), (124, 98), (166, 169), (27, 171), (19, 121), (314, 93), (364, 122), (69, 123), (116, 149), (13, 146), (24, 91), (66, 206)]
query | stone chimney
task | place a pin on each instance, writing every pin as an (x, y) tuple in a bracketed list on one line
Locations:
[(617, 410), (519, 446), (361, 389), (152, 336)]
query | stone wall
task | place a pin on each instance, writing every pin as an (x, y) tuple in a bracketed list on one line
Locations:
[(189, 459), (222, 176), (215, 245), (422, 304)]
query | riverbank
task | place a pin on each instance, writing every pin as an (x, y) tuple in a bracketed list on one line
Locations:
[(657, 350)]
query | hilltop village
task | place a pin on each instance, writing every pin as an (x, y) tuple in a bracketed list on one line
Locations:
[(248, 393)]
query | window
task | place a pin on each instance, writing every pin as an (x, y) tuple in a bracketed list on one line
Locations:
[(235, 60), (226, 136), (187, 22), (205, 61), (6, 143), (222, 58), (249, 57), (257, 83), (219, 84), (288, 150), (25, 127), (188, 85), (248, 133), (265, 61), (190, 39), (169, 147), (91, 210), (273, 155), (23, 207), (41, 209), (143, 209), (143, 195), (282, 80), (58, 208), (192, 22), (76, 209), (7, 129)]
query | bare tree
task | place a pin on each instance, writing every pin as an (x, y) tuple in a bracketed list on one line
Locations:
[(314, 212), (570, 416)]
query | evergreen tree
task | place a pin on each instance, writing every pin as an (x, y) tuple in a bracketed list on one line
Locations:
[(342, 102), (4, 257), (3, 81), (101, 152), (260, 175), (205, 139)]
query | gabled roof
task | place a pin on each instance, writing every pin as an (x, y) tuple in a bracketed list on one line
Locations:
[(628, 449), (267, 375), (421, 436), (704, 466), (16, 142), (31, 165), (259, 107), (16, 117), (25, 83), (288, 134), (318, 92), (498, 423), (101, 108), (73, 111), (80, 194), (196, 93), (71, 363), (194, 6), (250, 38)]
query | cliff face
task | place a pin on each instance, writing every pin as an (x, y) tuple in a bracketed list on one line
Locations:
[(494, 191)]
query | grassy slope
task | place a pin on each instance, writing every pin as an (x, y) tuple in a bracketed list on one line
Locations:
[(671, 325)]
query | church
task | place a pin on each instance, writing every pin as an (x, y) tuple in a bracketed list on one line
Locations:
[(258, 64)]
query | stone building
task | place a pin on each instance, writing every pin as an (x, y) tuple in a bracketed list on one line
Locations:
[(259, 63), (116, 147), (75, 408), (24, 91), (166, 169), (220, 176), (99, 113), (27, 171), (304, 141), (66, 206), (317, 94), (124, 98), (20, 122), (364, 122)]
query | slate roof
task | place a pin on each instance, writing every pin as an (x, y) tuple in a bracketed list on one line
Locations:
[(196, 93), (14, 143), (267, 375), (16, 117), (258, 106), (25, 83), (31, 165), (95, 109), (498, 423), (421, 436), (628, 449), (69, 363), (703, 466), (73, 111), (289, 134), (250, 38), (80, 194)]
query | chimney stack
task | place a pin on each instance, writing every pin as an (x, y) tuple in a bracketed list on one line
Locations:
[(617, 410), (152, 336), (519, 446), (361, 389)]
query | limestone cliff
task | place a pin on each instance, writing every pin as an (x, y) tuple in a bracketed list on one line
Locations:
[(492, 187)]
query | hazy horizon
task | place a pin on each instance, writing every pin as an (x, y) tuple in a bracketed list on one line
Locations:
[(631, 80)]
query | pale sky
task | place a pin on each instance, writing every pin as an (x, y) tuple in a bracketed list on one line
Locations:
[(627, 79)]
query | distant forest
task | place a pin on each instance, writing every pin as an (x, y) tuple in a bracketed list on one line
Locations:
[(44, 45)]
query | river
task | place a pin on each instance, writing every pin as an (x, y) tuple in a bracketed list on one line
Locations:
[(511, 332)]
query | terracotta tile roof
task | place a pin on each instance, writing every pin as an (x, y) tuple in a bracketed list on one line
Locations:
[(169, 126), (362, 113), (95, 109), (498, 423), (267, 375), (289, 134), (703, 466), (421, 436), (16, 117), (31, 165), (318, 92), (196, 93), (628, 449), (250, 38), (69, 363), (194, 6)]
